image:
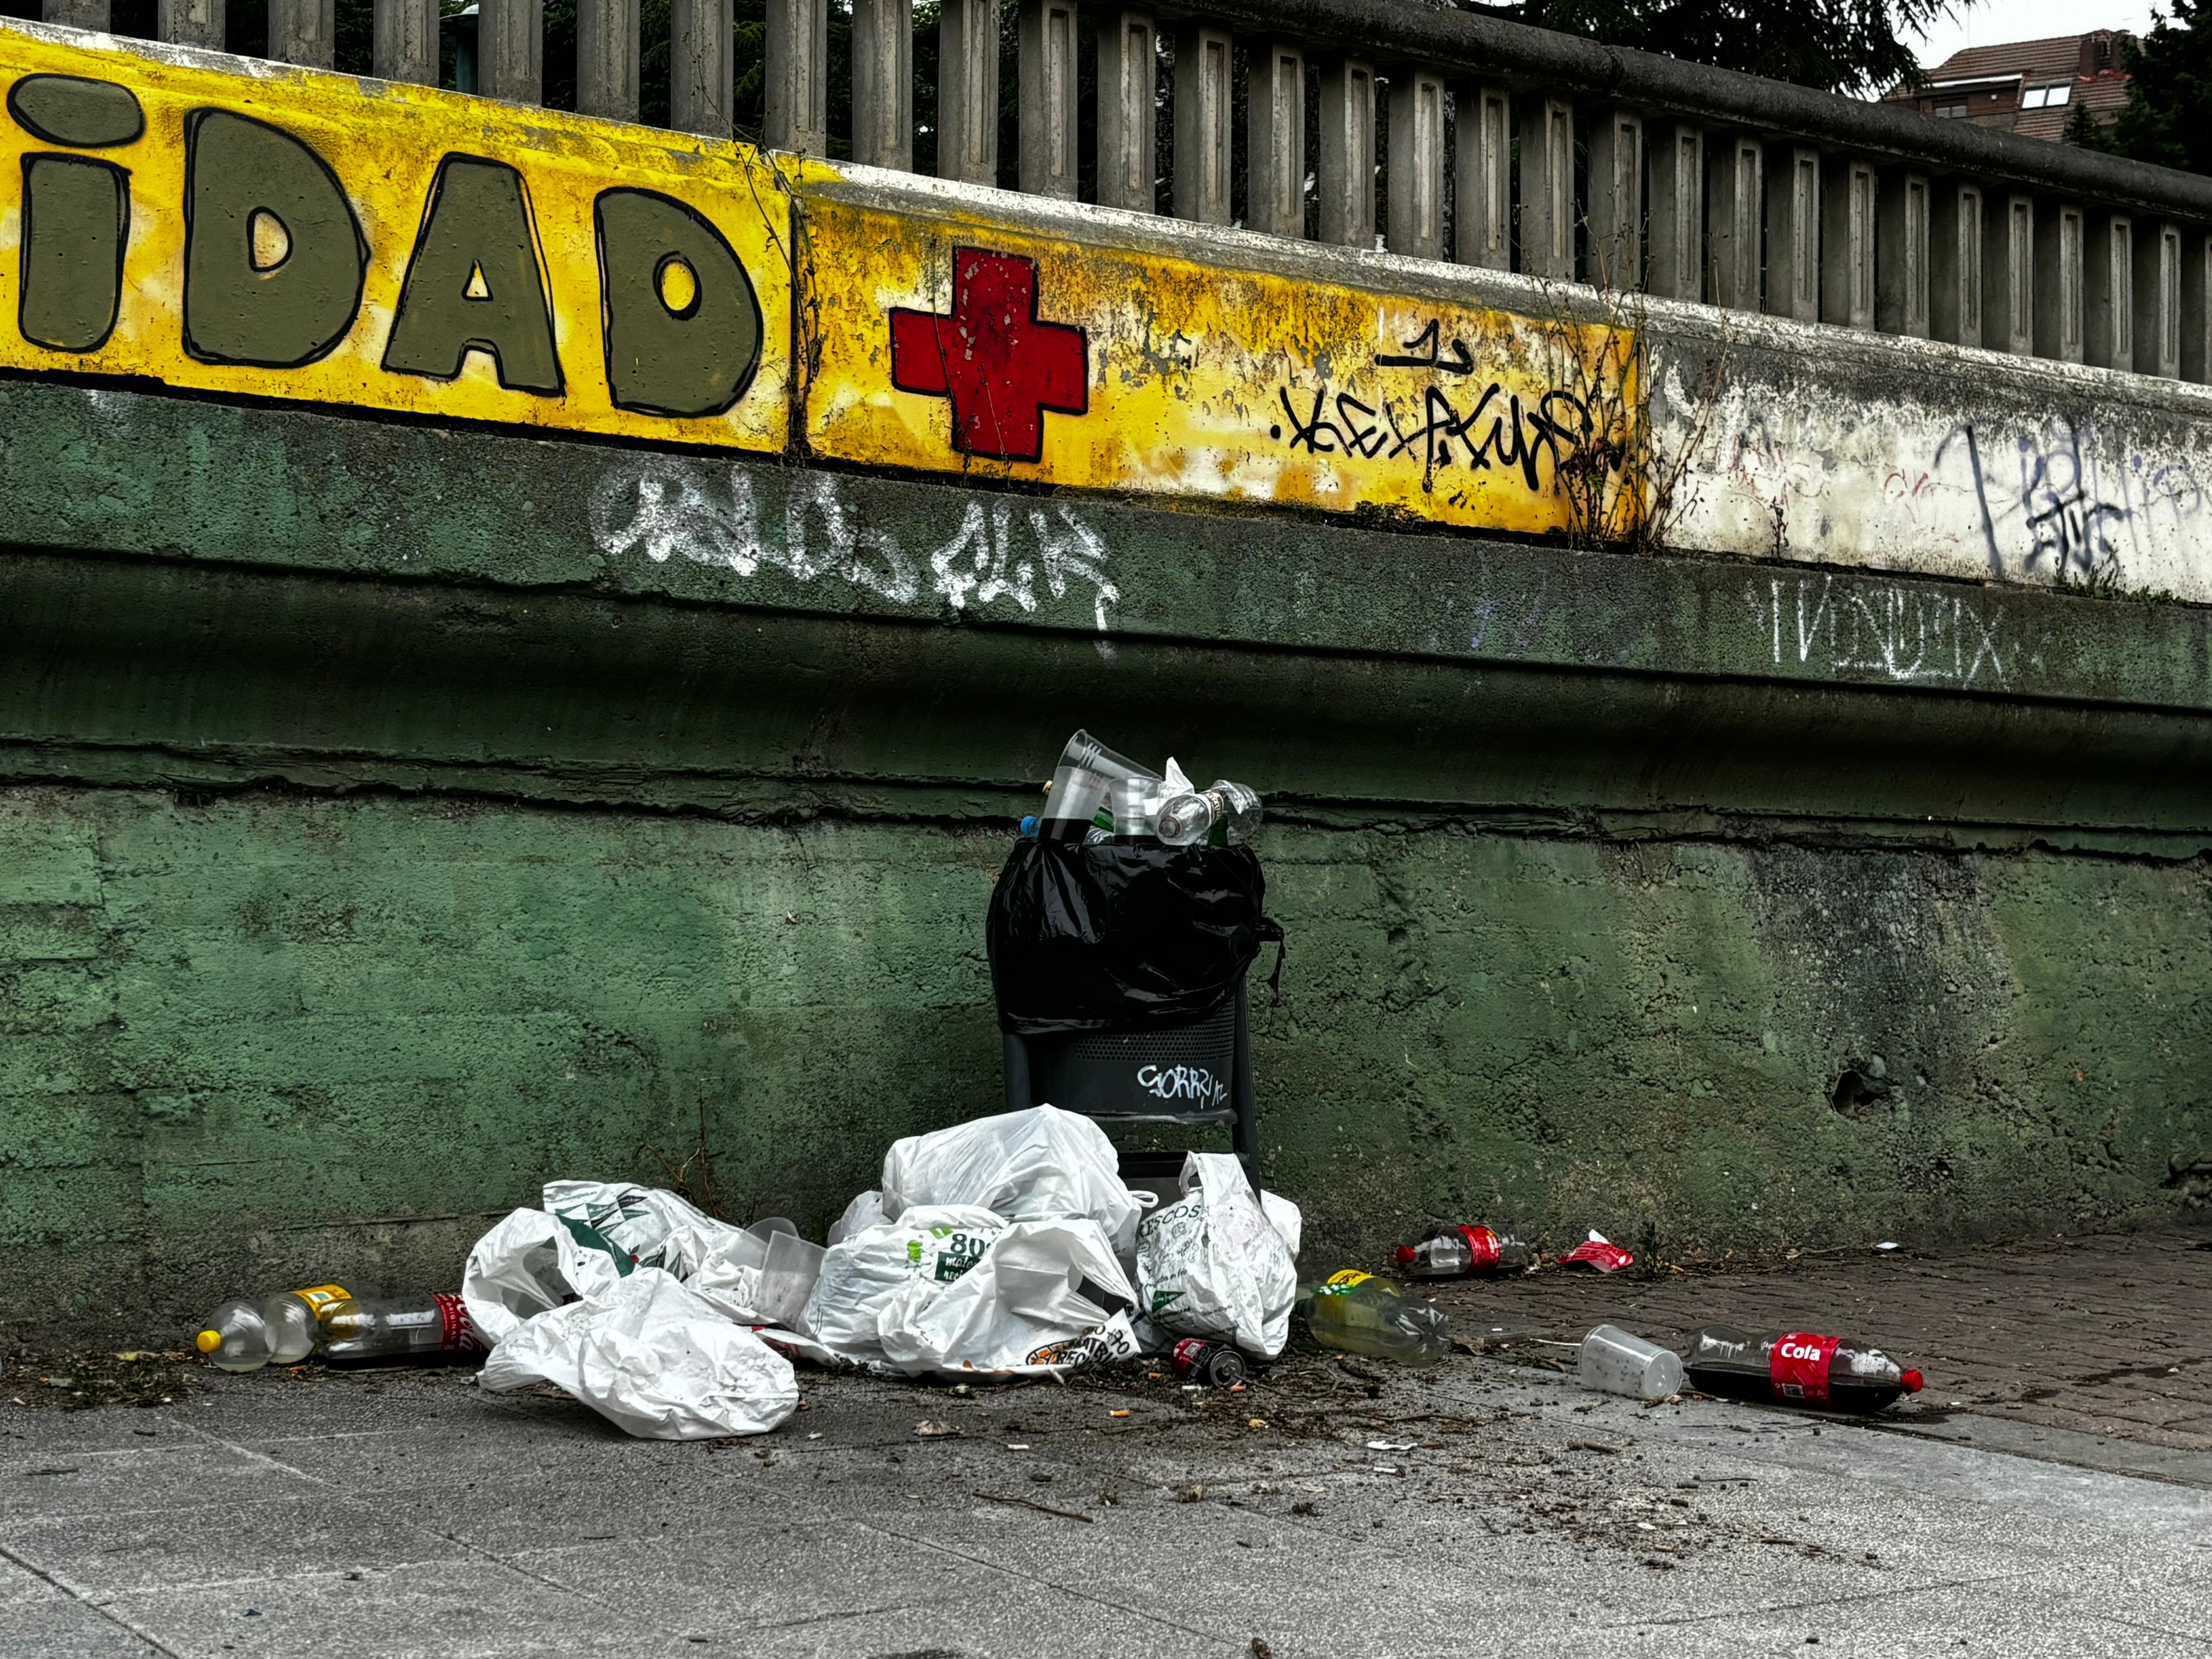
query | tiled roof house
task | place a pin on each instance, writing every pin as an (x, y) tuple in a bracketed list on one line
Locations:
[(2027, 87)]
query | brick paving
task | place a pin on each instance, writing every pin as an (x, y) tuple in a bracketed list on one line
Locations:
[(2108, 1334)]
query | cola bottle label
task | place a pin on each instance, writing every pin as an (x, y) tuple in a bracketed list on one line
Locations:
[(1482, 1247), (1798, 1366), (460, 1332)]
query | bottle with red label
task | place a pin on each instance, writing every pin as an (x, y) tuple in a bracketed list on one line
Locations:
[(1461, 1252), (420, 1328), (1215, 1364), (1795, 1368)]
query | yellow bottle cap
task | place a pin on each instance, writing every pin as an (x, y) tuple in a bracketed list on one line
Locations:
[(208, 1341)]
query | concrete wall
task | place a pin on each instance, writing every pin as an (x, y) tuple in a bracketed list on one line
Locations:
[(396, 819)]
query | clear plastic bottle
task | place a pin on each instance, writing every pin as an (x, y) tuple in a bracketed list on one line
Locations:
[(1360, 1314), (1796, 1368), (1461, 1252), (421, 1328), (1223, 814), (246, 1333)]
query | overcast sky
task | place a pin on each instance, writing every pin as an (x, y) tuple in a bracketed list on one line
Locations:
[(1995, 22)]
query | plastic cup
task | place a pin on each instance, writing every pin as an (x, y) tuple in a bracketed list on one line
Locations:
[(1613, 1362), (788, 1279)]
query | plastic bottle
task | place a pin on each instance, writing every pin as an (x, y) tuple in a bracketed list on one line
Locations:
[(1616, 1362), (1361, 1314), (422, 1328), (1087, 771), (1216, 1364), (1223, 814), (1796, 1367), (1461, 1252), (246, 1333)]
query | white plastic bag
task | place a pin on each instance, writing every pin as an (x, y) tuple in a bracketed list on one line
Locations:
[(513, 1272), (1042, 1164), (1211, 1264), (611, 1227), (1285, 1217), (929, 1244), (653, 1358), (865, 1211), (1047, 1295)]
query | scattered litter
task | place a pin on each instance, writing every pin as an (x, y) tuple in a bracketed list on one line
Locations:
[(1462, 1253), (1390, 1445), (1213, 1364), (1796, 1367), (1191, 1494), (1599, 1252), (1017, 1445), (1889, 1244), (1120, 1413), (1256, 1422), (1358, 1313), (934, 1430), (1614, 1362), (1041, 1509)]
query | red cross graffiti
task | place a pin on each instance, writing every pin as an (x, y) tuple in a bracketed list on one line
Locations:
[(999, 364)]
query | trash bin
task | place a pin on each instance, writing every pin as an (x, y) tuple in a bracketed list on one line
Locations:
[(1120, 971)]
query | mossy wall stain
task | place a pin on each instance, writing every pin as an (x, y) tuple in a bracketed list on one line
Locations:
[(267, 1034)]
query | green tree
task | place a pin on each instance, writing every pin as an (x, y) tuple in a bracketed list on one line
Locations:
[(2168, 115), (1841, 45)]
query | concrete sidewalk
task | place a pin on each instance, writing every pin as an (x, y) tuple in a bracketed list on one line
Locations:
[(1487, 1507)]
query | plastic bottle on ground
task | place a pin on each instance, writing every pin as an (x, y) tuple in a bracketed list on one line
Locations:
[(1796, 1368), (1462, 1252), (1358, 1313), (421, 1328), (1215, 1364), (244, 1333), (1615, 1362)]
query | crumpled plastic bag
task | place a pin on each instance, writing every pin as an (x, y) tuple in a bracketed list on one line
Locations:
[(1046, 1297), (513, 1272), (652, 1358), (1041, 1164), (1212, 1264), (865, 1211), (928, 1244)]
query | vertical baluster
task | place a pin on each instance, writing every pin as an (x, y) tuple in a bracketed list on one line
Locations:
[(795, 70), (1416, 162), (1901, 252), (2009, 271), (1793, 232), (1483, 164), (701, 81), (606, 56), (77, 14), (187, 23), (1616, 199), (2108, 291), (1202, 114), (2195, 306), (1956, 220), (1045, 97), (510, 48), (1348, 154), (2055, 303), (303, 31), (2158, 299), (1678, 210), (1128, 73), (403, 41), (967, 91), (1847, 243), (1734, 182), (1275, 137), (1547, 187), (883, 83)]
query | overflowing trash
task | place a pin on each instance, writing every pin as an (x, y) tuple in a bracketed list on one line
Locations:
[(1100, 796), (1462, 1253)]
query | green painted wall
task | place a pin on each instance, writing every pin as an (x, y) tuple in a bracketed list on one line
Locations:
[(384, 830)]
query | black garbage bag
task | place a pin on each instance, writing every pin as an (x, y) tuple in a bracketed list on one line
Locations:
[(1122, 935)]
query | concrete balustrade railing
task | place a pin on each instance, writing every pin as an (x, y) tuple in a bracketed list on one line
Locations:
[(1501, 146)]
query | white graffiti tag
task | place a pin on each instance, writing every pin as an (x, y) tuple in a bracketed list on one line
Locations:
[(996, 557)]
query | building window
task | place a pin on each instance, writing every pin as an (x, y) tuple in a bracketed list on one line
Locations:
[(1950, 109), (2052, 97)]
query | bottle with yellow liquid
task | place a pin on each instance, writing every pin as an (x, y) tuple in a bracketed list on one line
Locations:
[(1360, 1314), (246, 1333)]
